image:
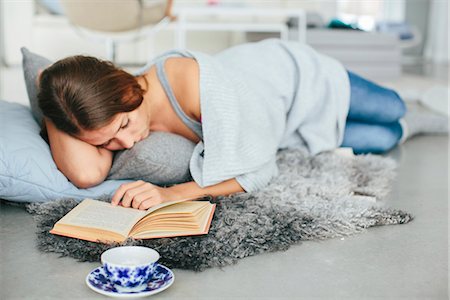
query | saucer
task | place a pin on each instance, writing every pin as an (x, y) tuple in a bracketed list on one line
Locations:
[(161, 280)]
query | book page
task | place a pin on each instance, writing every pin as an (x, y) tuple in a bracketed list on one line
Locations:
[(169, 231), (187, 207), (169, 203), (182, 209), (102, 215), (194, 223), (195, 218)]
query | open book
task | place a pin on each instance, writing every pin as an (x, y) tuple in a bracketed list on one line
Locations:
[(99, 221)]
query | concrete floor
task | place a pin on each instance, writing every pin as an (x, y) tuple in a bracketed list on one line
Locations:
[(390, 262)]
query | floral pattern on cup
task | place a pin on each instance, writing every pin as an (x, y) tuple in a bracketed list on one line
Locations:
[(129, 267), (161, 279), (129, 277)]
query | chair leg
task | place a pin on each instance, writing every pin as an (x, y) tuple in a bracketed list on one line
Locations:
[(180, 34), (111, 48)]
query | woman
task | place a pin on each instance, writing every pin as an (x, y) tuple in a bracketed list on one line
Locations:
[(240, 106)]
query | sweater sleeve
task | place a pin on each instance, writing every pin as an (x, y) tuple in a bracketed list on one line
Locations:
[(256, 180)]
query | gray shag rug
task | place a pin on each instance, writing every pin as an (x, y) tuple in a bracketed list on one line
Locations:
[(313, 198)]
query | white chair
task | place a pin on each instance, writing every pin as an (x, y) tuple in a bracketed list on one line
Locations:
[(117, 21)]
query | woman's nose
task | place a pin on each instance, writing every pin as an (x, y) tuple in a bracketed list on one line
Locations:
[(125, 141), (128, 145)]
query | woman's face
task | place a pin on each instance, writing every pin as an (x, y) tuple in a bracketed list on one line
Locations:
[(122, 133)]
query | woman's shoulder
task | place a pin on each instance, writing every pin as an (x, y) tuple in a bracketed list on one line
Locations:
[(182, 72), (181, 66), (184, 78)]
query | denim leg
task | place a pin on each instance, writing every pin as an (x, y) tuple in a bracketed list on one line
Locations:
[(371, 138), (371, 103)]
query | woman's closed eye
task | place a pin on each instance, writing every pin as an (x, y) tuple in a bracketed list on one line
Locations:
[(126, 125), (123, 127)]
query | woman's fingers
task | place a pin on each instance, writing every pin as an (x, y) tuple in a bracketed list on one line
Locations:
[(146, 204), (123, 189), (130, 196), (150, 197), (141, 197), (138, 194)]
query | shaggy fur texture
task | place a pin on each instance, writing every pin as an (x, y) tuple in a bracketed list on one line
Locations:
[(312, 198)]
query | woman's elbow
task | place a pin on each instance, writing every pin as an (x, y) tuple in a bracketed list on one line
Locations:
[(85, 181)]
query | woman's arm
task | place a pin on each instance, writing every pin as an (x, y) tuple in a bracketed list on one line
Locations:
[(142, 195), (83, 164), (191, 190)]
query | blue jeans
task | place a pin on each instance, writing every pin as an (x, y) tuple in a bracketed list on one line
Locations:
[(373, 118)]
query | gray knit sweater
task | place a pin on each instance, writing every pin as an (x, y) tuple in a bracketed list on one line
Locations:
[(261, 97)]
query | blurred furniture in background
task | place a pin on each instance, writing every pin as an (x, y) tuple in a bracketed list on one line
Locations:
[(211, 26), (118, 22), (244, 18), (52, 6), (408, 35), (370, 54)]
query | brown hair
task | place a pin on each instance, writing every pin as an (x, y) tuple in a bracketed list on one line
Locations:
[(82, 92)]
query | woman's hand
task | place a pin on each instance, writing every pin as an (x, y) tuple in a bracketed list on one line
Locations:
[(141, 195)]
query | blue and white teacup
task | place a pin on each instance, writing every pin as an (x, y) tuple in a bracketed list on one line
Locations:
[(129, 267)]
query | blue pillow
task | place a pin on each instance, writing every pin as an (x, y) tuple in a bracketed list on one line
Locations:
[(27, 170)]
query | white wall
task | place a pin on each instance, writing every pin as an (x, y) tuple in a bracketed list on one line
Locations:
[(437, 43), (2, 40), (17, 17)]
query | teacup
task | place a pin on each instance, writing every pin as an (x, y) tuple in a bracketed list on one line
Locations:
[(129, 267)]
